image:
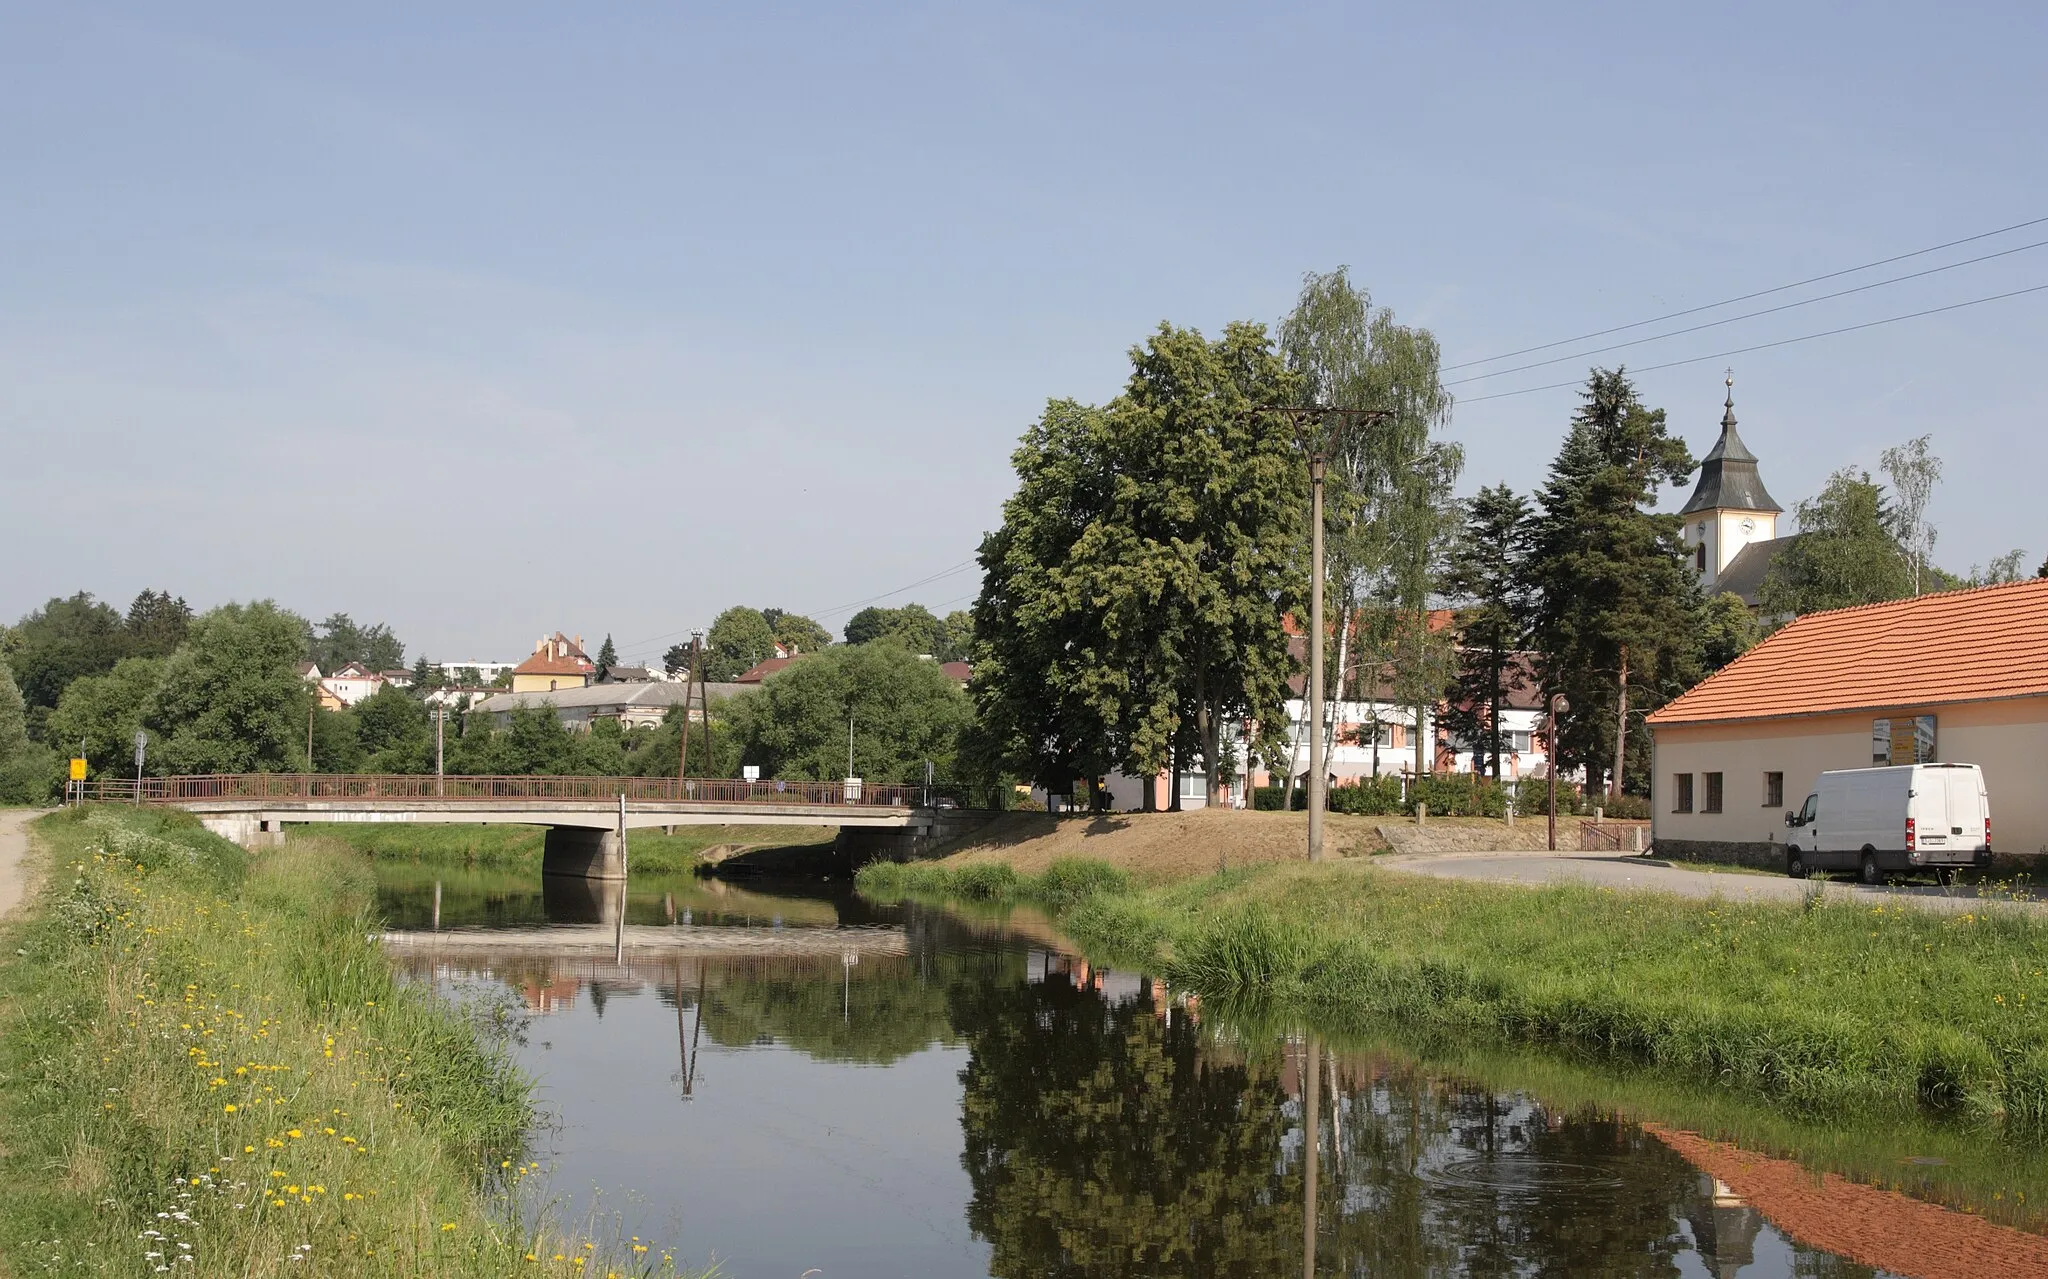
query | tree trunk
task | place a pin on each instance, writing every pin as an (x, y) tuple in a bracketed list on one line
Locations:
[(1175, 763), (1206, 730), (1620, 730)]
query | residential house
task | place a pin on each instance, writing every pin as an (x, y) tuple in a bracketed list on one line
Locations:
[(557, 664), (352, 683), (1959, 677)]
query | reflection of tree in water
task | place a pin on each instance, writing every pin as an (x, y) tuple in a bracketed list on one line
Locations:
[(1102, 1141), (882, 1010), (1099, 1142)]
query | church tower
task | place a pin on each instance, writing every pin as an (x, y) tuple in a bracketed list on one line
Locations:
[(1729, 509)]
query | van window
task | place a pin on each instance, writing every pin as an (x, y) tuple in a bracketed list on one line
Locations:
[(1774, 790), (1681, 800), (1713, 804)]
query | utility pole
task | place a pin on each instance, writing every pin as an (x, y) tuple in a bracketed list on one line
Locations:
[(1310, 430), (440, 751), (689, 684), (1317, 778), (1559, 704)]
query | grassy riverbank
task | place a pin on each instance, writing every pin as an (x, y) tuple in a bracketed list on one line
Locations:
[(1822, 1009), (203, 1056), (519, 847)]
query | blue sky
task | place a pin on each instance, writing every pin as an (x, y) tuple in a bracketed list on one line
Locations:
[(490, 320)]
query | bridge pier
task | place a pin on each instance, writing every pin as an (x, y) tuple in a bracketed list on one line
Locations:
[(583, 852)]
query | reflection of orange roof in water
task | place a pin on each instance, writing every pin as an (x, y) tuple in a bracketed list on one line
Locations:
[(1879, 1228)]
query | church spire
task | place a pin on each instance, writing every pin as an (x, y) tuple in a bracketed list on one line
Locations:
[(1728, 475)]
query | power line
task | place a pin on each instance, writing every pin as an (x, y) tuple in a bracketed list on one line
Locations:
[(923, 581), (1695, 310), (1747, 315), (1765, 346)]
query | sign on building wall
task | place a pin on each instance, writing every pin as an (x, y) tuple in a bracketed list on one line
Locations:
[(1907, 739)]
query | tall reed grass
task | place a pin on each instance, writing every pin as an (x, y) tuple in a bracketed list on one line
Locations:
[(210, 1069)]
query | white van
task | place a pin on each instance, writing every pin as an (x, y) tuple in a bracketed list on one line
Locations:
[(1915, 817)]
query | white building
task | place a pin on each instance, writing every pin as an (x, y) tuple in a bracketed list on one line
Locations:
[(352, 683)]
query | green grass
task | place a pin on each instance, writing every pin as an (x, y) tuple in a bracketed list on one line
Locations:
[(206, 1049), (1817, 1009), (519, 847)]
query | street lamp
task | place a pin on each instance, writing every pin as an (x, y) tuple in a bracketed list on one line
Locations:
[(1309, 430), (1559, 704)]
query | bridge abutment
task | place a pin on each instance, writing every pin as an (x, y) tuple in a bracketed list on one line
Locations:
[(583, 852)]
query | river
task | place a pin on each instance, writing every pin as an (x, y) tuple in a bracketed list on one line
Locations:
[(787, 1079)]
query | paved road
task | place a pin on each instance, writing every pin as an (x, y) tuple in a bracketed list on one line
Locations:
[(1609, 870), (13, 856)]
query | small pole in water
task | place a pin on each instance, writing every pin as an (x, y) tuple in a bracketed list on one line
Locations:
[(437, 905)]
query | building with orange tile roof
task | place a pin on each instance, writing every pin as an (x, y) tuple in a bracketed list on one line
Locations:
[(557, 663), (1959, 677)]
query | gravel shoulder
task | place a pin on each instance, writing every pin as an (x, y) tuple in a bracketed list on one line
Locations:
[(14, 856), (1641, 874)]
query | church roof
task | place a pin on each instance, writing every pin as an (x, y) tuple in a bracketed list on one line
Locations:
[(1728, 476), (1745, 574)]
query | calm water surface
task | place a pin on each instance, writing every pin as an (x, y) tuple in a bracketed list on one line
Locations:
[(789, 1078)]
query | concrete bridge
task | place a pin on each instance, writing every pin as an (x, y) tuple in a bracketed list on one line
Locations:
[(583, 815)]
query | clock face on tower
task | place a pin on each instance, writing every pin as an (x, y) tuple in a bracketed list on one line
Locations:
[(1748, 525)]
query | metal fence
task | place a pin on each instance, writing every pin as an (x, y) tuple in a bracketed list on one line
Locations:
[(495, 790), (1613, 837)]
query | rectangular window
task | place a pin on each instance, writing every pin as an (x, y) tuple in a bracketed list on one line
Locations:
[(1681, 801), (1194, 786), (1713, 804), (1774, 790)]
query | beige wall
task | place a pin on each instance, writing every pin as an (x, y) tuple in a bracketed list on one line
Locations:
[(547, 683), (2009, 740)]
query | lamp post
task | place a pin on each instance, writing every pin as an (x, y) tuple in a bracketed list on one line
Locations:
[(1308, 420), (1558, 705)]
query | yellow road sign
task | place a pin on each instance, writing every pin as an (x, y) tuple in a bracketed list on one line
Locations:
[(77, 770)]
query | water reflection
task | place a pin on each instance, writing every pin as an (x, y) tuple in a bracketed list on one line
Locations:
[(793, 1080), (1109, 1137)]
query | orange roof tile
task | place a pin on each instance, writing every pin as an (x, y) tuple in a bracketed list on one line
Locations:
[(544, 662), (1959, 646)]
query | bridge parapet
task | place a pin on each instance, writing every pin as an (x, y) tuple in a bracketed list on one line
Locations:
[(496, 790)]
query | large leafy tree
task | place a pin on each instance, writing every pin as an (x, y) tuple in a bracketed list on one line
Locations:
[(28, 770), (1393, 521), (100, 715), (902, 711), (1487, 574), (60, 642), (1615, 606), (339, 641), (1131, 601), (1847, 552), (231, 700), (739, 639), (395, 730), (912, 627), (795, 632)]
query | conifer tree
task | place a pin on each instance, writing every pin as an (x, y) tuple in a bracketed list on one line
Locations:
[(1487, 574), (607, 657), (1615, 605)]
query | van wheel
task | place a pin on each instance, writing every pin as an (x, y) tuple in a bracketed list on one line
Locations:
[(1795, 864), (1868, 871), (1944, 875)]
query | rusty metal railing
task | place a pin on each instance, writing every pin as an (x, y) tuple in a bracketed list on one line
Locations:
[(1613, 837), (494, 790)]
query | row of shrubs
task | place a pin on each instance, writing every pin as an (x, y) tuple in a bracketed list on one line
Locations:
[(1453, 795)]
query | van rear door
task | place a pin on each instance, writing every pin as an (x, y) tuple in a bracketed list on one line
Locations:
[(1965, 808), (1928, 808)]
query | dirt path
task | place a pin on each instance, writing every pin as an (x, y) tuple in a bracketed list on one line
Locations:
[(14, 856)]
